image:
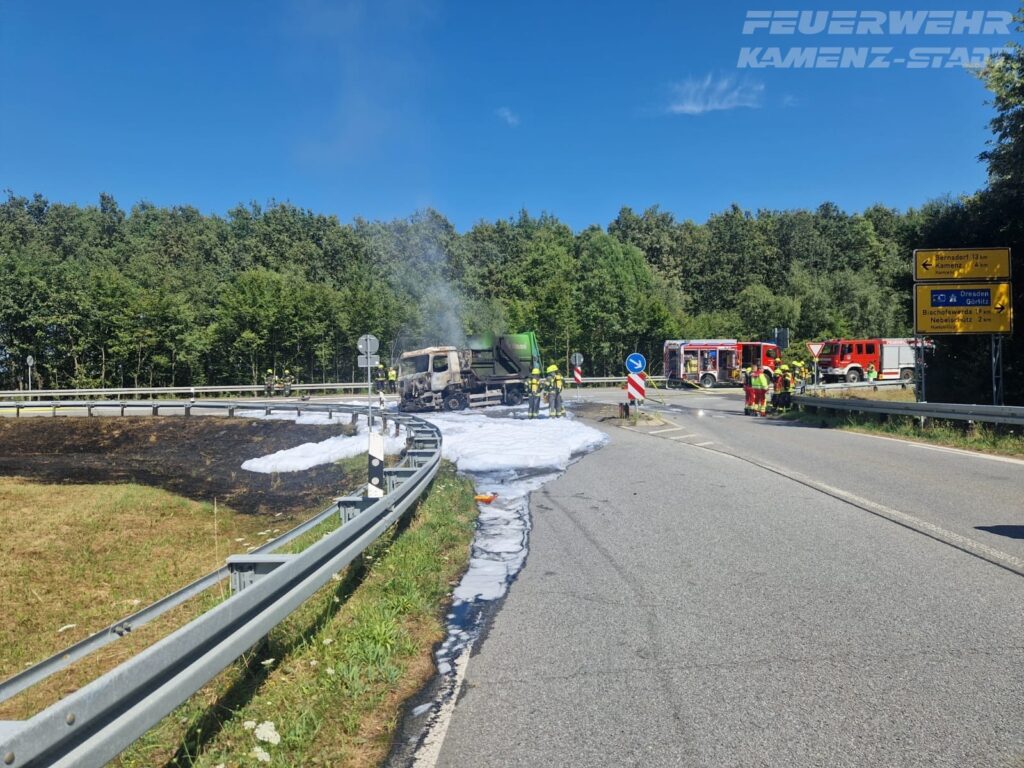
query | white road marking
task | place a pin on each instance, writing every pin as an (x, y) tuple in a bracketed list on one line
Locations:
[(663, 431), (938, 531), (701, 445), (428, 754), (681, 437), (941, 448)]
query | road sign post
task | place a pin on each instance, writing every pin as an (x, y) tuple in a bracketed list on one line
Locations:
[(979, 302), (636, 387), (368, 346), (30, 361), (577, 371)]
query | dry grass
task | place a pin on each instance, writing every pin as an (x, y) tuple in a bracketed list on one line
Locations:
[(78, 557), (889, 394)]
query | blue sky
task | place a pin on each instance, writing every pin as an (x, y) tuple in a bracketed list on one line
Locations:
[(377, 109)]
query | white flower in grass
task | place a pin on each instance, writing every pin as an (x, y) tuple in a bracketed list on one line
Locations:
[(266, 731), (330, 671), (260, 754), (328, 640), (268, 662), (313, 662), (249, 725)]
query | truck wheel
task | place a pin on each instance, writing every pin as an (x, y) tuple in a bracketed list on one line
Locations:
[(707, 381), (906, 374), (854, 375), (455, 402), (514, 397)]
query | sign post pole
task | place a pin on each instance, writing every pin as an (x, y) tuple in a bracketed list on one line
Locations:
[(30, 361), (577, 372), (368, 346), (919, 357), (635, 390), (997, 369)]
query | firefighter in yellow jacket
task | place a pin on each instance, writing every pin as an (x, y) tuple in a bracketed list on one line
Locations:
[(555, 386), (759, 385), (534, 386)]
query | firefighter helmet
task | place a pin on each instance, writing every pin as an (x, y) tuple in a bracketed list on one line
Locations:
[(270, 370), (552, 368), (286, 371), (535, 372)]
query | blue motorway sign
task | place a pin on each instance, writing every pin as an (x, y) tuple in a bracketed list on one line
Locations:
[(636, 363), (973, 297)]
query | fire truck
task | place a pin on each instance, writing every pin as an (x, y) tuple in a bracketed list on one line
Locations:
[(848, 359), (710, 362)]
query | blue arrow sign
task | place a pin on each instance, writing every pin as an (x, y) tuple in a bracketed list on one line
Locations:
[(636, 363)]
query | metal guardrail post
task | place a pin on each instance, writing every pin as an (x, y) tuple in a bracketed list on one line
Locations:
[(246, 570)]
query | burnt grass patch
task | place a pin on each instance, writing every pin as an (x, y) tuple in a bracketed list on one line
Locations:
[(199, 458)]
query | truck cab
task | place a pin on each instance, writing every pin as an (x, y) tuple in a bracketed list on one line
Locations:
[(433, 377)]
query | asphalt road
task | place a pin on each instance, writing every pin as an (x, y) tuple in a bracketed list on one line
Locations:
[(740, 592)]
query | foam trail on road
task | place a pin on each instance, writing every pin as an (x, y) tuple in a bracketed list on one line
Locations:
[(503, 453), (511, 457)]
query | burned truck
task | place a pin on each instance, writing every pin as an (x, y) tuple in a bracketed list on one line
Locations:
[(490, 370)]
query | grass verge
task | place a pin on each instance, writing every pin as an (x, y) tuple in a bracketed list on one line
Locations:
[(326, 687), (77, 557), (984, 438)]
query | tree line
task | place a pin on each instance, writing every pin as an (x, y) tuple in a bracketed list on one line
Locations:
[(154, 296)]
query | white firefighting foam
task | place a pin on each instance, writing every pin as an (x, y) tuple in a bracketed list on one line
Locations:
[(309, 455)]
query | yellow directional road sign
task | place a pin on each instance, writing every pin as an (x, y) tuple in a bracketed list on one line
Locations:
[(956, 308), (962, 264)]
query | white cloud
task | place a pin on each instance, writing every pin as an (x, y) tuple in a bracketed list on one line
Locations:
[(506, 114), (789, 100), (697, 96)]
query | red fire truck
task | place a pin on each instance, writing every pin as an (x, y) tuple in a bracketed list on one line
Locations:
[(709, 362), (848, 359)]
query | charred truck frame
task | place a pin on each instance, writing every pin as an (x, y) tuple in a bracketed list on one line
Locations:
[(490, 370)]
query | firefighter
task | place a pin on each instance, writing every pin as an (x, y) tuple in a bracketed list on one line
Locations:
[(759, 385), (783, 385), (776, 382), (268, 383), (555, 385), (379, 377), (748, 393), (533, 389), (872, 372), (286, 382), (392, 380)]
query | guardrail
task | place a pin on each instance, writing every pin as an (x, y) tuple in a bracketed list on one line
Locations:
[(842, 386), (122, 407), (605, 380), (94, 724), (992, 414), (256, 389)]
